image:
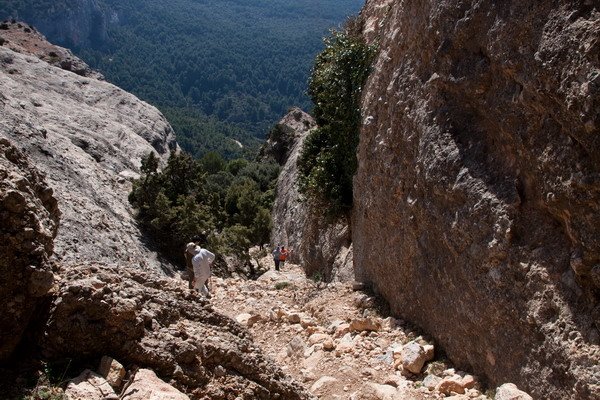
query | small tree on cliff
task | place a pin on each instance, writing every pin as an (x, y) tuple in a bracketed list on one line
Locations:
[(328, 159)]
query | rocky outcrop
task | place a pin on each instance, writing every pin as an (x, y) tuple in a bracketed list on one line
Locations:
[(152, 322), (282, 138), (76, 23), (88, 137), (477, 197), (28, 223), (322, 247), (24, 38)]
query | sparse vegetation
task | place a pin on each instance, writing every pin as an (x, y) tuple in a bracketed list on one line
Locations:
[(283, 285), (317, 277), (47, 393)]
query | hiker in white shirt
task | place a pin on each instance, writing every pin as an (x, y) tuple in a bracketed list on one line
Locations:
[(201, 262)]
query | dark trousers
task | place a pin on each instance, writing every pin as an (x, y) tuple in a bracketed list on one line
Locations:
[(276, 264)]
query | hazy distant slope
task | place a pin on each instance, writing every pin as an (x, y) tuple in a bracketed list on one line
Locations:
[(242, 61)]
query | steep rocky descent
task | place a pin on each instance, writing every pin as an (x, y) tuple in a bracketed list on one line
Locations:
[(88, 137), (28, 223), (154, 322), (322, 247), (477, 198), (337, 341)]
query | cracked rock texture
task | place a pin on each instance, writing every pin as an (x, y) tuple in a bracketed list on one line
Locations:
[(322, 247), (28, 223), (88, 137), (477, 197), (153, 322)]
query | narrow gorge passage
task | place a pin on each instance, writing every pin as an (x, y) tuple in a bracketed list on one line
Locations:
[(333, 339)]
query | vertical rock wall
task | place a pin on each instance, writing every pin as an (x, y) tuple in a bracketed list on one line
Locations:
[(477, 198), (323, 248)]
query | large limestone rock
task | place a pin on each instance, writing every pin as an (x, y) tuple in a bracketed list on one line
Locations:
[(322, 247), (28, 223), (88, 137), (146, 385), (155, 323), (509, 391), (477, 197)]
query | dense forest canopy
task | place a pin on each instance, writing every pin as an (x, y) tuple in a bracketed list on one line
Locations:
[(218, 69)]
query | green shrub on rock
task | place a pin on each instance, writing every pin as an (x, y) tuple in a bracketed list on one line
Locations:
[(328, 159)]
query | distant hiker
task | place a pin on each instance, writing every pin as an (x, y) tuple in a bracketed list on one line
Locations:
[(276, 255), (201, 263), (283, 256), (189, 254)]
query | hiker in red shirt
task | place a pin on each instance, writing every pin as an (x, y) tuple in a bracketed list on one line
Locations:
[(283, 254)]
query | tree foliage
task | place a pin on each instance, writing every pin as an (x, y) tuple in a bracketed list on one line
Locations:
[(227, 201), (328, 160)]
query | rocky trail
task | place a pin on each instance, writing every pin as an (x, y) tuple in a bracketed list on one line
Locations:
[(336, 340)]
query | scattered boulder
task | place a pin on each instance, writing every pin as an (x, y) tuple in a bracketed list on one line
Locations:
[(296, 347), (322, 384), (318, 338), (112, 371), (509, 391), (146, 385), (414, 357), (431, 381), (365, 324), (341, 330), (449, 385), (377, 391), (89, 386)]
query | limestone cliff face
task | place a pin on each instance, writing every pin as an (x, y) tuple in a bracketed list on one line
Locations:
[(477, 197), (321, 247), (88, 137)]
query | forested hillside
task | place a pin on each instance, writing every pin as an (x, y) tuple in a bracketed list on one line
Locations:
[(216, 68)]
